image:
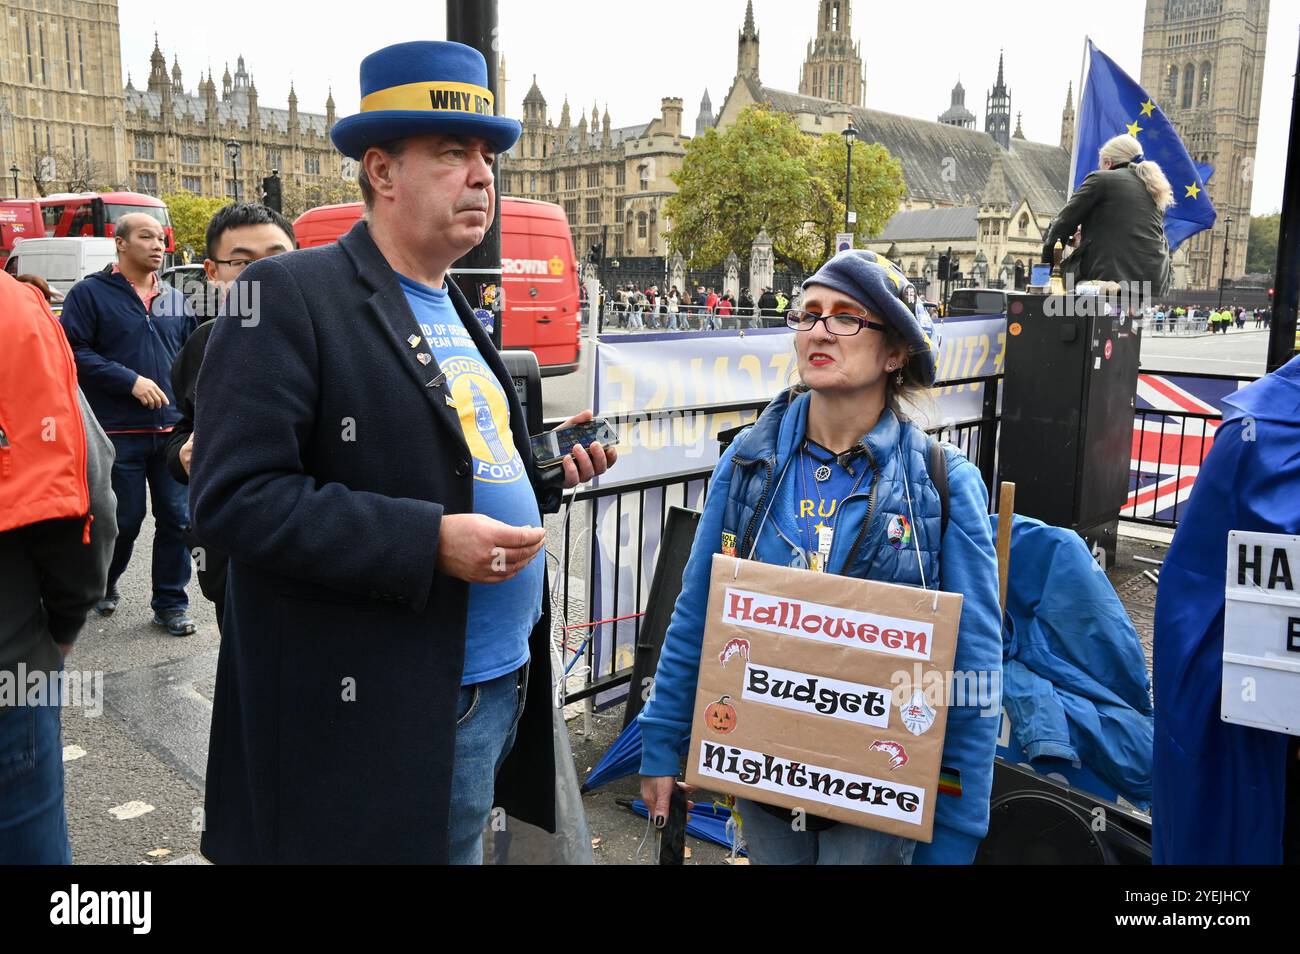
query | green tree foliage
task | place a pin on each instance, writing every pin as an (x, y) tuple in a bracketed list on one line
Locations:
[(763, 173), (295, 198), (877, 186), (1261, 247), (190, 214)]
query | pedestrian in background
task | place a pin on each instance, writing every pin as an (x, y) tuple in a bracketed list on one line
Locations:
[(126, 328), (767, 305), (237, 235)]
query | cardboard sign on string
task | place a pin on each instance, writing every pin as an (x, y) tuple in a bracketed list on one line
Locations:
[(824, 693)]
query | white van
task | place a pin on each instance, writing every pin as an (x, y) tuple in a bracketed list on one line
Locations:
[(62, 262)]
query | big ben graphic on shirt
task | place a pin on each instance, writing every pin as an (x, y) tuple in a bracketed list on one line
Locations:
[(484, 418)]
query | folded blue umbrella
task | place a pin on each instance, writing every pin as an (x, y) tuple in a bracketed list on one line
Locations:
[(621, 759), (708, 822)]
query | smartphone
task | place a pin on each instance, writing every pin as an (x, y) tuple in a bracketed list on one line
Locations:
[(549, 448)]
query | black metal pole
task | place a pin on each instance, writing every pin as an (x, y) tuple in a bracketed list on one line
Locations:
[(848, 181), (474, 23), (1286, 276), (1223, 272)]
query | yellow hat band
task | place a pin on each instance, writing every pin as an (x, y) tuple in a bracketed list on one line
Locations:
[(432, 97)]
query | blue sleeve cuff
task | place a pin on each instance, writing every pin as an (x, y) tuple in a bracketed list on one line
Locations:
[(660, 745), (1048, 749), (950, 847)]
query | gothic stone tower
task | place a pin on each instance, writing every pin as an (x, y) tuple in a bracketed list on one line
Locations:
[(997, 111), (1203, 62), (832, 68)]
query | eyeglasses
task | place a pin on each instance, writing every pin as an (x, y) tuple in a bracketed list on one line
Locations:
[(842, 325), (239, 264)]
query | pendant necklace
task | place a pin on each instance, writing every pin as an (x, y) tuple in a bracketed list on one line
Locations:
[(823, 471)]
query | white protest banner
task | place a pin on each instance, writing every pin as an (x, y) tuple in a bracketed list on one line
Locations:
[(861, 746), (652, 376), (1261, 632)]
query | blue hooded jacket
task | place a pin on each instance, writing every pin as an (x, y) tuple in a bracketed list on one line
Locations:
[(748, 480), (1075, 680), (1220, 788), (115, 339)]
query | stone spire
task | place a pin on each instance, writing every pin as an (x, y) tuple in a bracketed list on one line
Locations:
[(997, 110), (157, 69), (225, 83), (995, 195), (209, 89), (833, 67), (177, 86), (564, 114), (1019, 133), (329, 110), (747, 45), (254, 116), (1067, 119), (705, 119)]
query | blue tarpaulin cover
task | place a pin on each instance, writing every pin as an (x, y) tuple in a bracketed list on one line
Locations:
[(1220, 788), (1074, 679)]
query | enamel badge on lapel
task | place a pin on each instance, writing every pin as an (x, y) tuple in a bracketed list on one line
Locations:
[(413, 341), (424, 357)]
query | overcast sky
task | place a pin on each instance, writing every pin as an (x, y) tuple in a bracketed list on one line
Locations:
[(628, 55)]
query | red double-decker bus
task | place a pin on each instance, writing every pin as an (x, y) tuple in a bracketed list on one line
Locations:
[(85, 213)]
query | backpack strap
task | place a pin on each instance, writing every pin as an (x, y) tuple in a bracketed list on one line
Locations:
[(937, 464)]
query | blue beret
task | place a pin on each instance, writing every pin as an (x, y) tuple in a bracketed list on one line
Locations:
[(881, 287)]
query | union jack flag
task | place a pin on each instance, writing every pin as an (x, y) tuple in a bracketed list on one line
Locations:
[(1168, 448)]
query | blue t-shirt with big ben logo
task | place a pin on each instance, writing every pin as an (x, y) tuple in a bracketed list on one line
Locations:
[(501, 615)]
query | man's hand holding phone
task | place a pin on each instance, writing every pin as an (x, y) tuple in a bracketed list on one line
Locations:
[(580, 463)]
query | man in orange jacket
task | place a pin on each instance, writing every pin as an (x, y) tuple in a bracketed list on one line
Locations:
[(58, 525)]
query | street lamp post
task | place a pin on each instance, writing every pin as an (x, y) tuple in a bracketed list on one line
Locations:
[(232, 150), (14, 169), (849, 134), (1223, 275)]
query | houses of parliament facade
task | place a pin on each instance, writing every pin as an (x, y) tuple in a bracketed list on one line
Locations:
[(68, 123), (63, 102)]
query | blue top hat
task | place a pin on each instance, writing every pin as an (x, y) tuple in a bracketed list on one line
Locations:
[(426, 86)]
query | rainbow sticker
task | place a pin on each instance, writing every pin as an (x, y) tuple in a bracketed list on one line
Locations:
[(899, 532)]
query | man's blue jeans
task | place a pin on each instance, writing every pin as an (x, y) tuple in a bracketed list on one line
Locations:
[(487, 718), (774, 841), (33, 826), (142, 461)]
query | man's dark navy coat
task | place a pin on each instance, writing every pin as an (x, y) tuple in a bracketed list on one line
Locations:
[(323, 463)]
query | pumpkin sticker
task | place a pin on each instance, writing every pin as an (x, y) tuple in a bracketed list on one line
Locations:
[(720, 716)]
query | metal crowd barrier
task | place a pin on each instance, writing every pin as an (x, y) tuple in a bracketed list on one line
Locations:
[(688, 318), (1169, 447), (976, 438), (1172, 328)]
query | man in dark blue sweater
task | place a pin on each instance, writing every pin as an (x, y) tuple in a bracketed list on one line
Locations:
[(126, 328)]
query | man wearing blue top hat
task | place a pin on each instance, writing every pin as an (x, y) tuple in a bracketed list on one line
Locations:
[(366, 465)]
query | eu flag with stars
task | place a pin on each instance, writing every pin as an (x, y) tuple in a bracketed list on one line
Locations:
[(1112, 104)]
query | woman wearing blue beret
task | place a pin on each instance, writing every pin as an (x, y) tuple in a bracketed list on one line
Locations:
[(834, 459)]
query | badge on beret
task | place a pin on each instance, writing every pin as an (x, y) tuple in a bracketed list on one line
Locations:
[(909, 294)]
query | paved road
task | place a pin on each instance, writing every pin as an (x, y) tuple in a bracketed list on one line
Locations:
[(1237, 352)]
